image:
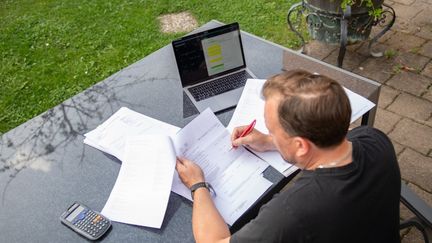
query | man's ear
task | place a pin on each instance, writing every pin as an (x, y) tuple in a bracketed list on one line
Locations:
[(302, 146)]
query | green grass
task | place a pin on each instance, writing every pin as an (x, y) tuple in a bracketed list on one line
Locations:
[(52, 50)]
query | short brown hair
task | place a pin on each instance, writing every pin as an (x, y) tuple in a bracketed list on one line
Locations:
[(313, 106)]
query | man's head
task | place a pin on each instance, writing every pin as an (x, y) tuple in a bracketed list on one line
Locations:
[(305, 106)]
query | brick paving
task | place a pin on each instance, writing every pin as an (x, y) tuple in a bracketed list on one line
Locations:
[(405, 104)]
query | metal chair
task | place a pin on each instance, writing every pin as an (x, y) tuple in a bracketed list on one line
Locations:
[(422, 211)]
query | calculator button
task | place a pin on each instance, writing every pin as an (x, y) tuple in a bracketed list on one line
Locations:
[(96, 219)]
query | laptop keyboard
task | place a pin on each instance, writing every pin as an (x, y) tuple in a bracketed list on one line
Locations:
[(219, 86)]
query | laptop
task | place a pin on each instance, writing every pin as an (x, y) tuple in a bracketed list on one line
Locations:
[(212, 67)]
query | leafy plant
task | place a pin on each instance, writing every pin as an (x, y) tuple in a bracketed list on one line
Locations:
[(373, 10)]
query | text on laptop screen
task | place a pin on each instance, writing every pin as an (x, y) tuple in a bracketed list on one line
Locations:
[(222, 53), (203, 56)]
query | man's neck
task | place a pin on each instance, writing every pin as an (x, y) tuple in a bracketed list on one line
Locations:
[(337, 156)]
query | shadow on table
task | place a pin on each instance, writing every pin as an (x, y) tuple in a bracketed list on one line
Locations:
[(46, 139)]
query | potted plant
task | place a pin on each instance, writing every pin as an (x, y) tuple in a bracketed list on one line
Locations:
[(341, 22), (325, 17)]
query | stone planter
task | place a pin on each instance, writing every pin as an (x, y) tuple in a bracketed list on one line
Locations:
[(325, 16)]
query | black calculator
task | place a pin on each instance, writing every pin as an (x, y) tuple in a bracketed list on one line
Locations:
[(85, 221)]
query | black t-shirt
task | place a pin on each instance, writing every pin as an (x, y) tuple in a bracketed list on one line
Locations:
[(358, 202)]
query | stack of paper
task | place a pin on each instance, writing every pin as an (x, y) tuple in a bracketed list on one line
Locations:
[(141, 192)]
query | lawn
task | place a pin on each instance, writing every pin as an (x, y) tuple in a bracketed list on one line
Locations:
[(52, 50)]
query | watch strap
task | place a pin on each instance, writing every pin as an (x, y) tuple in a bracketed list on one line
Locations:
[(207, 185)]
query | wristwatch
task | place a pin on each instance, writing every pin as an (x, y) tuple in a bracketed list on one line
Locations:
[(207, 185)]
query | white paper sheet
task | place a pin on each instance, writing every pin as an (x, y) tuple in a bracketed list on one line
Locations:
[(359, 104), (111, 135), (240, 186), (141, 192), (235, 174)]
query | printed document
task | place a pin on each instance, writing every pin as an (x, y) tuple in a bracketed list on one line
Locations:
[(111, 135), (235, 174), (251, 106), (141, 192)]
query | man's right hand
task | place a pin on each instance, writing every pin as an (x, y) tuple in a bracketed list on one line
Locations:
[(255, 140)]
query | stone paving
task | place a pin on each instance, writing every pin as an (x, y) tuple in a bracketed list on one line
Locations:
[(405, 104)]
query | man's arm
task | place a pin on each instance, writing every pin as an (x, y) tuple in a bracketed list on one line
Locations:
[(207, 223)]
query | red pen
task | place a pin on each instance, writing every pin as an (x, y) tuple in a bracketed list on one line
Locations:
[(247, 130)]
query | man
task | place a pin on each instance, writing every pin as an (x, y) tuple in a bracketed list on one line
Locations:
[(348, 190)]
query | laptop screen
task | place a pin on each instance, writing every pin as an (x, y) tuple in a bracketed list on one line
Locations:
[(209, 54)]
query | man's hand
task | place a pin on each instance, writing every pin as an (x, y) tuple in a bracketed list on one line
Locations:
[(256, 140), (189, 172)]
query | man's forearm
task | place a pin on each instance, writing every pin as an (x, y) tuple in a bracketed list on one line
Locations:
[(207, 223)]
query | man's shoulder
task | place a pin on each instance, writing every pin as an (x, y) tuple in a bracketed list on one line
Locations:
[(366, 134), (365, 131), (301, 197)]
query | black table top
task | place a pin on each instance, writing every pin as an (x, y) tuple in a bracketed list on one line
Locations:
[(45, 166)]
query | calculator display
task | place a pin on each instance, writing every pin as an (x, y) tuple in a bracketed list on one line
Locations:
[(74, 213)]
